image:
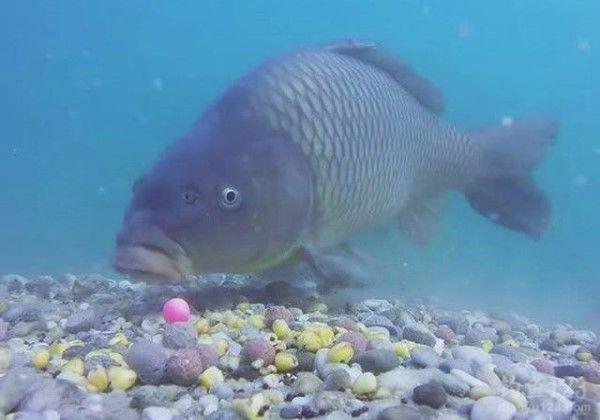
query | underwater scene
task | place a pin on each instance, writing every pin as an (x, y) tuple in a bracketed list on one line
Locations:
[(311, 209)]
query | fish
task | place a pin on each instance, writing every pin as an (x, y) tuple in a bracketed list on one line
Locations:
[(312, 146)]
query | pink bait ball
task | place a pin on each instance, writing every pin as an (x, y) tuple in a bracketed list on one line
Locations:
[(176, 310)]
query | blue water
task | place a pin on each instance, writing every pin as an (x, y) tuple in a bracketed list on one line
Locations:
[(91, 92)]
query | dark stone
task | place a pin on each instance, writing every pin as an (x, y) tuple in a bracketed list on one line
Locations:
[(419, 334), (378, 360), (426, 357), (179, 335), (184, 367), (290, 412), (431, 394), (81, 321), (306, 361), (148, 360), (401, 412)]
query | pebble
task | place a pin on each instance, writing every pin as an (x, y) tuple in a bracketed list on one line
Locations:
[(474, 355), (277, 312), (179, 335), (431, 394), (306, 361), (258, 349), (492, 408), (401, 412), (208, 354), (425, 357), (516, 398), (543, 366), (366, 383), (478, 333), (290, 411), (148, 360), (356, 340), (81, 321), (445, 333), (511, 352), (337, 380), (419, 335), (378, 361), (184, 367), (589, 371), (156, 413), (306, 383)]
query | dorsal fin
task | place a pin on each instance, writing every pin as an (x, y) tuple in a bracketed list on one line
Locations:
[(420, 88)]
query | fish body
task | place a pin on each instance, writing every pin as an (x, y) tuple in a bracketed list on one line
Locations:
[(312, 146)]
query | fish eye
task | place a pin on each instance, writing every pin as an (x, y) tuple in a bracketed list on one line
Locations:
[(230, 198), (190, 196)]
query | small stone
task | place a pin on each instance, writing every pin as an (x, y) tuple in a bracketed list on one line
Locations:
[(277, 312), (378, 361), (258, 349), (543, 366), (156, 413), (222, 391), (366, 383), (356, 340), (478, 333), (337, 380), (591, 372), (306, 361), (400, 412), (445, 333), (179, 335), (310, 341), (74, 365), (419, 335), (402, 349), (202, 326), (210, 377), (425, 357), (184, 367), (516, 398), (583, 354), (281, 328), (285, 362), (342, 352), (431, 394), (290, 412), (121, 378), (492, 408), (473, 355), (148, 360), (208, 354), (98, 378), (306, 383), (510, 352), (81, 321), (41, 358)]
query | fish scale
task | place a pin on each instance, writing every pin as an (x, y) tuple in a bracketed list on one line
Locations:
[(354, 122)]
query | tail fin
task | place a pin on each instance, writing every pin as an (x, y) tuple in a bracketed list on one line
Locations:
[(502, 188)]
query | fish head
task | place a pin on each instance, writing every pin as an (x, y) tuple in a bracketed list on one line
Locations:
[(225, 198)]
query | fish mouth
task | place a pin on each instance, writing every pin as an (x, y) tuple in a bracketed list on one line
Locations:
[(150, 263)]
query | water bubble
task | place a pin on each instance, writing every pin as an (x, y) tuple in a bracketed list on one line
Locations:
[(580, 180), (583, 45), (465, 30), (157, 83), (507, 121)]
